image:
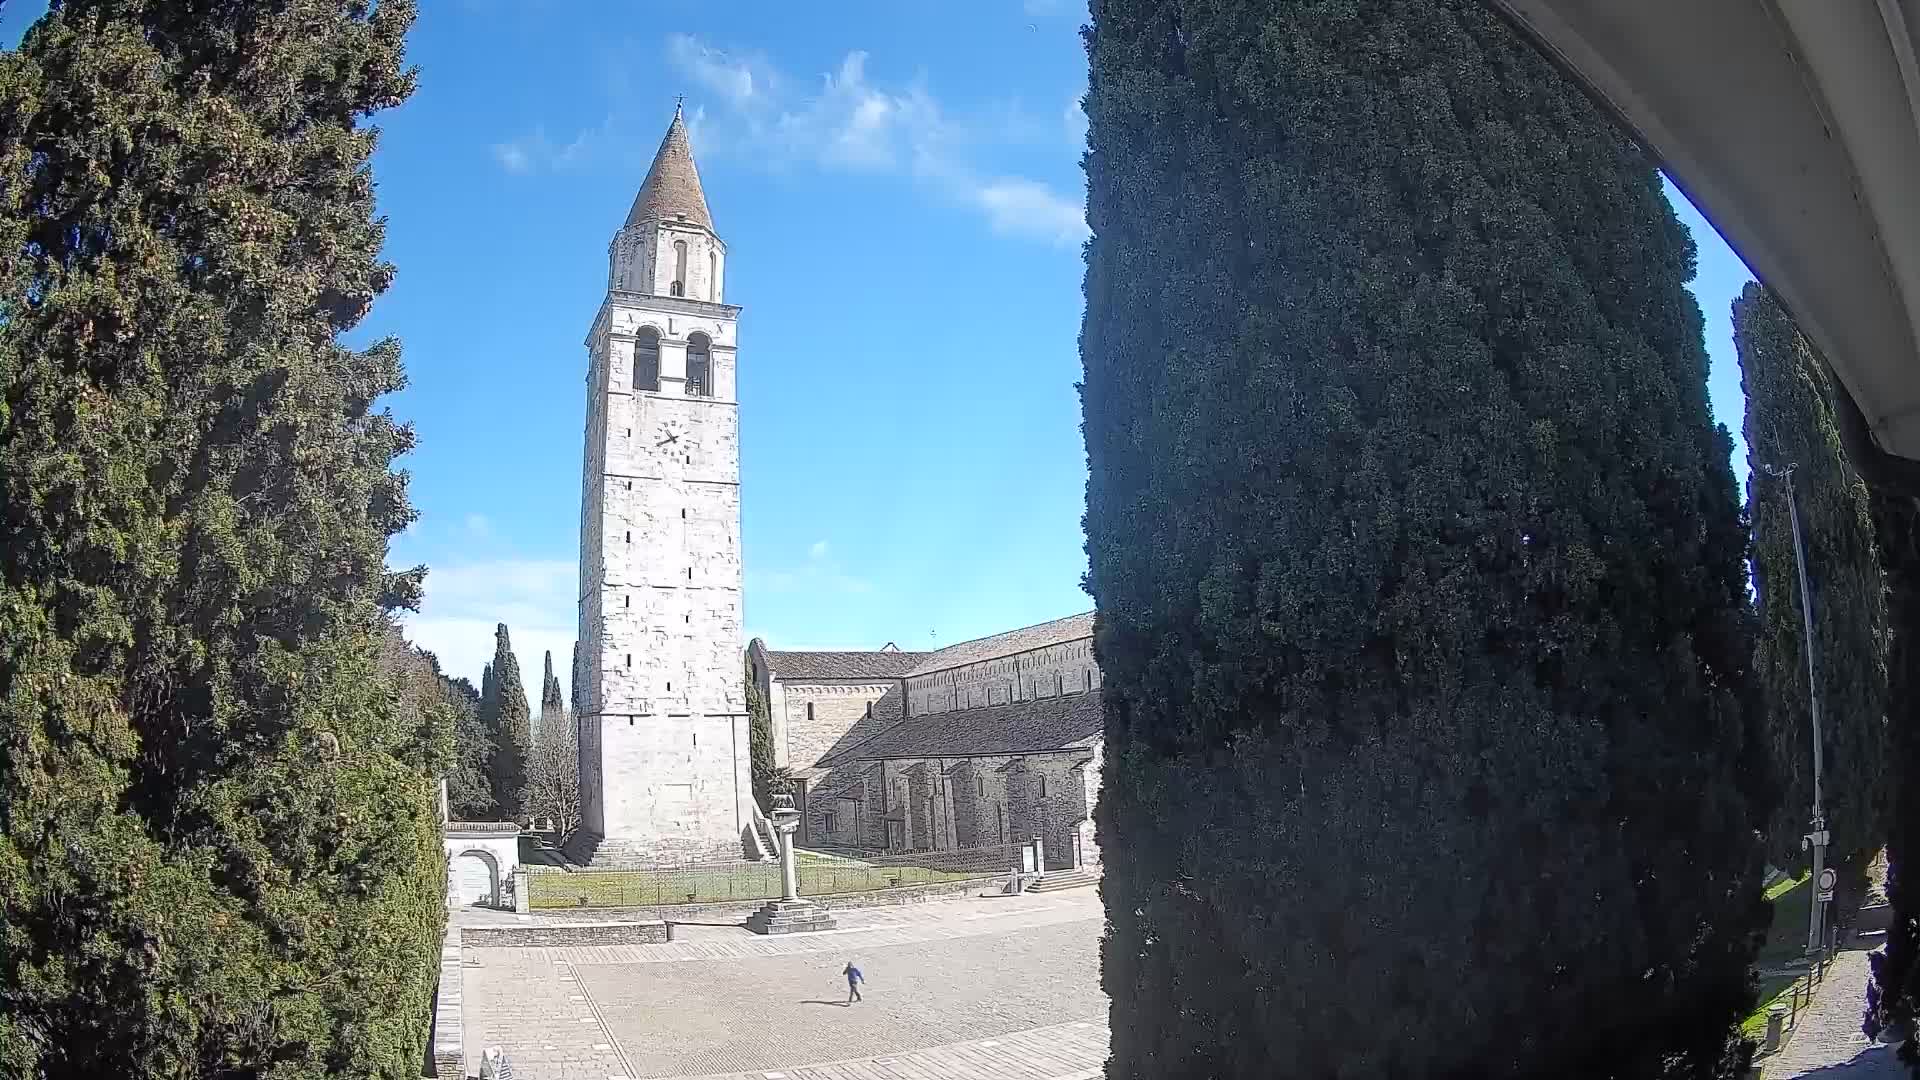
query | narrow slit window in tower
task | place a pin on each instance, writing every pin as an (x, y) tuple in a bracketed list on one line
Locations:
[(679, 268)]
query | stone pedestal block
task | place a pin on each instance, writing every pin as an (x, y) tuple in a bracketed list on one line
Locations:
[(790, 917)]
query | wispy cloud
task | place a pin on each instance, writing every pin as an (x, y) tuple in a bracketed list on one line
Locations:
[(537, 152), (845, 120), (464, 601), (818, 574)]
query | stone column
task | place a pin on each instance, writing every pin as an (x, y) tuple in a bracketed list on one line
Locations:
[(522, 894), (785, 821), (789, 914)]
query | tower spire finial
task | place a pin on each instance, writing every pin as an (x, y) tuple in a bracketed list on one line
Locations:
[(679, 102)]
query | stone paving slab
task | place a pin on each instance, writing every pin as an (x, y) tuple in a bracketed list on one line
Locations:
[(939, 991), (735, 944), (1072, 1051), (1828, 1042)]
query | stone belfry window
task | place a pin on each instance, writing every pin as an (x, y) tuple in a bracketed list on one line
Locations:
[(699, 366), (646, 359), (679, 268)]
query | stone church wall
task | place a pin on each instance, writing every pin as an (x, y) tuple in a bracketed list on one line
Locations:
[(943, 804), (1038, 673), (813, 717)]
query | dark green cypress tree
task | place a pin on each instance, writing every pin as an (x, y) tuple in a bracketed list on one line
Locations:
[(553, 714), (1790, 421), (219, 843), (1893, 992), (469, 792), (573, 685), (513, 731), (1418, 561), (760, 755)]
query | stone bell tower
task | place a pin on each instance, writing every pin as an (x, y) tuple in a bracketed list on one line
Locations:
[(664, 772)]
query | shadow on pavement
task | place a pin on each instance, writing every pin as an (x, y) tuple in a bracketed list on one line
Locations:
[(841, 1004), (1873, 1063)]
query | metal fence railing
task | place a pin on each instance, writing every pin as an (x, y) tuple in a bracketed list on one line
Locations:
[(819, 873)]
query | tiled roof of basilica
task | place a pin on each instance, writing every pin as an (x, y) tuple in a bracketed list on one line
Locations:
[(1025, 639), (1022, 727), (803, 666)]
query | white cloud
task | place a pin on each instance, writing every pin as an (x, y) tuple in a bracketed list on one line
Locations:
[(851, 122), (1018, 205), (730, 77), (512, 157), (818, 575), (535, 152), (464, 601)]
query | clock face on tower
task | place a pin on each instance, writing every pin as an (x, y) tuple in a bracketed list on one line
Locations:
[(668, 435)]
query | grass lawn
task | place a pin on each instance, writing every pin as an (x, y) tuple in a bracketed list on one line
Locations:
[(1791, 900), (701, 885)]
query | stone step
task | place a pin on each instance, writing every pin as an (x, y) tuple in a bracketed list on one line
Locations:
[(790, 917), (1056, 880)]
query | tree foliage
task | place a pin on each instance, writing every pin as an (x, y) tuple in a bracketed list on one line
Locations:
[(573, 684), (760, 756), (1790, 421), (469, 792), (510, 727), (553, 774), (1431, 747), (1893, 992), (552, 710), (219, 849)]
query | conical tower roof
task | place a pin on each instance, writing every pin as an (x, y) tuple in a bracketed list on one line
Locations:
[(672, 188)]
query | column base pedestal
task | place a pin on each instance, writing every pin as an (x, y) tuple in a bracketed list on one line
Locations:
[(790, 917)]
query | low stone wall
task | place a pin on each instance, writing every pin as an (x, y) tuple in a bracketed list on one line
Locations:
[(738, 910), (561, 934), (449, 1036)]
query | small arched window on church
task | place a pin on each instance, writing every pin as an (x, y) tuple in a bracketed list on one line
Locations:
[(699, 366), (713, 276), (646, 359), (679, 287)]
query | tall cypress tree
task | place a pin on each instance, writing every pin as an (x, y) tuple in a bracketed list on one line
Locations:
[(1893, 993), (573, 685), (1790, 421), (553, 714), (219, 850), (513, 739), (1418, 562)]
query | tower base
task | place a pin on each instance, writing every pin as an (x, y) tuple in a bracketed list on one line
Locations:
[(591, 851)]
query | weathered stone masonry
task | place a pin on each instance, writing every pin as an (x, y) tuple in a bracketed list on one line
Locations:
[(986, 743), (664, 765)]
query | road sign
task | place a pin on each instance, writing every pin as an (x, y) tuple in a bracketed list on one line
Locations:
[(1827, 881)]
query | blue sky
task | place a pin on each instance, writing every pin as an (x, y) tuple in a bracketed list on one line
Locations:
[(899, 188)]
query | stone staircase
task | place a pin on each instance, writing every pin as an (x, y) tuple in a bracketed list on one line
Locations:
[(790, 917), (1057, 880)]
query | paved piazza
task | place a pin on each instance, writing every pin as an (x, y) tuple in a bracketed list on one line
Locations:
[(999, 988)]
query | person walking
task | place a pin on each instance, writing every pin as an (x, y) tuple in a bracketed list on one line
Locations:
[(854, 979)]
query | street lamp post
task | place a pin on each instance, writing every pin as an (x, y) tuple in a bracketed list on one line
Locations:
[(1817, 839)]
